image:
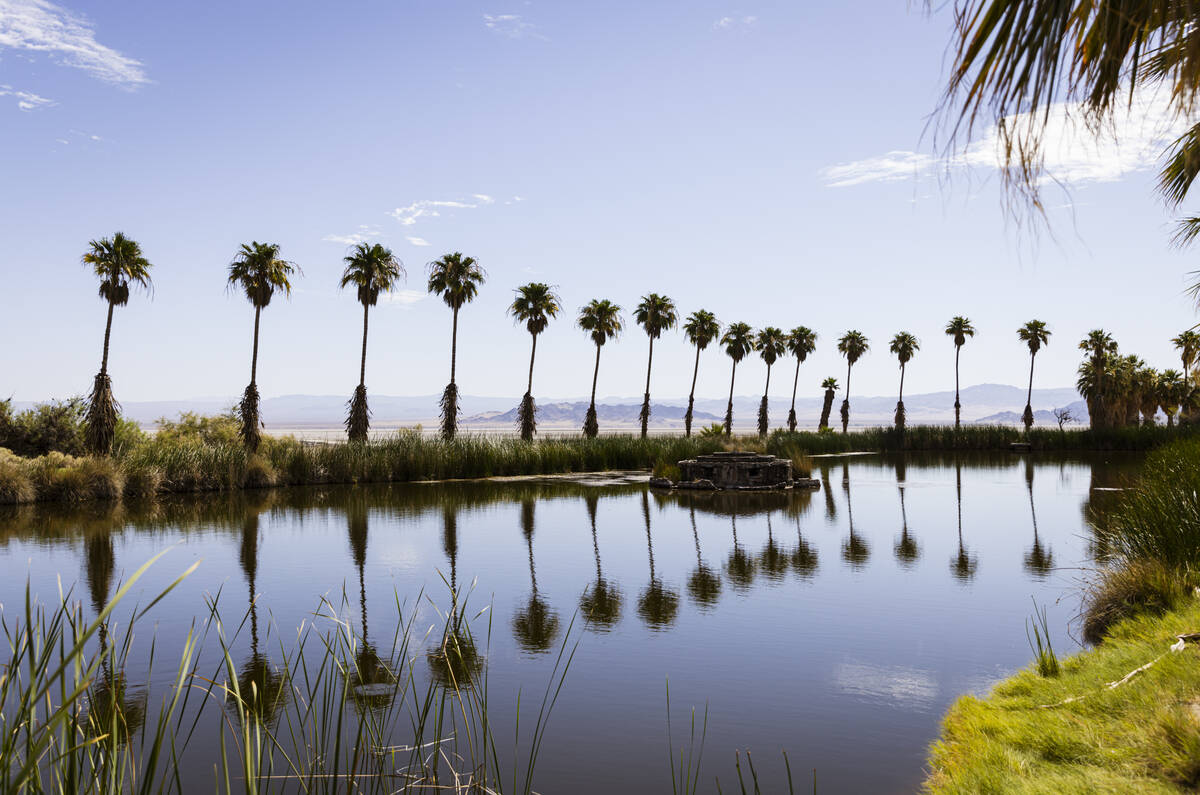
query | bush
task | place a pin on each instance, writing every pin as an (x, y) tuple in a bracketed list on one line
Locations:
[(1129, 589), (15, 485), (192, 427), (45, 428)]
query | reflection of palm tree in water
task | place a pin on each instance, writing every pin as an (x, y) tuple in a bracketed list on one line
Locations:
[(907, 549), (112, 709), (537, 625), (964, 564), (372, 682), (740, 568), (855, 551), (830, 506), (455, 661), (704, 586), (773, 560), (658, 604), (804, 557), (600, 604), (262, 686), (1039, 560)]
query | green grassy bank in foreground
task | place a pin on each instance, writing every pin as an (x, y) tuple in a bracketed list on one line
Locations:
[(204, 454), (1141, 736)]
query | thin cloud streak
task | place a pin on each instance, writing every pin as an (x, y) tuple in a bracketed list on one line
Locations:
[(41, 26), (26, 100), (431, 208), (512, 26)]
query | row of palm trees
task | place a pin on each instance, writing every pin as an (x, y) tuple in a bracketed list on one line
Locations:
[(1121, 390), (259, 271)]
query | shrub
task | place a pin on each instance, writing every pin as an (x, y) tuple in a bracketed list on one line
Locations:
[(1131, 588), (213, 430), (259, 473), (15, 484), (666, 469), (45, 428)]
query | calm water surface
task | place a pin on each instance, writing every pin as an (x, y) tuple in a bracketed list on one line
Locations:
[(837, 625)]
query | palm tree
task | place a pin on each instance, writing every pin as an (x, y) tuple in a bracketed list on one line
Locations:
[(771, 344), (855, 551), (959, 328), (260, 272), (1093, 373), (852, 345), (740, 567), (904, 346), (456, 279), (601, 603), (801, 341), (830, 385), (658, 604), (1170, 389), (738, 340), (1039, 560), (907, 548), (1147, 378), (1188, 344), (537, 624), (1034, 334), (704, 586), (372, 270), (262, 687), (601, 319), (964, 564), (118, 262), (371, 671), (701, 328), (535, 305), (656, 314)]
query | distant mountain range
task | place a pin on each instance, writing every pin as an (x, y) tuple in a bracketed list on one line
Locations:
[(983, 403)]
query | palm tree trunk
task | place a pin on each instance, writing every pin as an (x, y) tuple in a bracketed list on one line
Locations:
[(254, 357), (595, 377), (729, 409), (362, 369), (646, 399), (957, 403), (1029, 393), (687, 418), (532, 354), (454, 345), (107, 335), (846, 400), (901, 383), (792, 410)]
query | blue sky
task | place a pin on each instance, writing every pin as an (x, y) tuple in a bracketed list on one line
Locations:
[(766, 161)]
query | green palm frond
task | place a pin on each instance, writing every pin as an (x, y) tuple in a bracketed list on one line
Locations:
[(601, 319), (830, 383), (904, 346), (655, 314), (260, 272), (535, 305), (701, 328), (1035, 335), (119, 264), (738, 340), (372, 269), (853, 345), (960, 328), (771, 343), (455, 278), (801, 341)]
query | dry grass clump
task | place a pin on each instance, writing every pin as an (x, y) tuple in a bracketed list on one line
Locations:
[(1135, 587), (62, 478), (259, 473), (15, 484)]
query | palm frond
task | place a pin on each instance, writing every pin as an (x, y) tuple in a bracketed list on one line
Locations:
[(450, 411), (358, 420), (100, 419), (250, 422)]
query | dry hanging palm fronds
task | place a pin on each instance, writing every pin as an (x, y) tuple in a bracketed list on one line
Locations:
[(527, 418), (591, 426), (450, 411), (687, 417), (248, 409), (845, 414), (1027, 417), (792, 420), (358, 422), (644, 415), (100, 421), (729, 419), (900, 415), (763, 422)]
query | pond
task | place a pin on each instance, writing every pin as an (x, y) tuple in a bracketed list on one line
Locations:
[(835, 625)]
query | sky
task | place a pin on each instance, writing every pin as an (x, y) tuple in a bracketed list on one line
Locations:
[(771, 162)]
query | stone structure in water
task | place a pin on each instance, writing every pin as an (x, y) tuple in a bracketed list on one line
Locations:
[(735, 471)]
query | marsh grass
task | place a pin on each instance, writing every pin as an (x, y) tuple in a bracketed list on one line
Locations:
[(334, 714), (1037, 633)]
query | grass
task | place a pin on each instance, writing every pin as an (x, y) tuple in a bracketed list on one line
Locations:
[(1142, 736), (334, 714)]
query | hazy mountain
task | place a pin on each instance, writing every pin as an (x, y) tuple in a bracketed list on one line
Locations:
[(573, 414)]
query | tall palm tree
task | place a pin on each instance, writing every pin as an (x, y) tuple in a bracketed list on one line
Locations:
[(601, 319), (801, 341), (1102, 350), (959, 328), (456, 279), (852, 345), (738, 340), (1147, 378), (1035, 335), (655, 313), (1170, 390), (771, 344), (830, 385), (119, 264), (260, 272), (701, 328), (372, 270), (535, 305), (904, 346), (1188, 344)]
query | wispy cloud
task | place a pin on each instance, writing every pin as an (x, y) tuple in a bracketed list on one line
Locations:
[(41, 26), (26, 100), (512, 26), (431, 208), (735, 23), (416, 241), (403, 298), (1074, 152), (364, 233)]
